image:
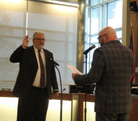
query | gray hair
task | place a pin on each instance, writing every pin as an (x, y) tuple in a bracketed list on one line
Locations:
[(37, 32)]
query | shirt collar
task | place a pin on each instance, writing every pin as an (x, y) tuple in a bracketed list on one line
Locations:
[(36, 50)]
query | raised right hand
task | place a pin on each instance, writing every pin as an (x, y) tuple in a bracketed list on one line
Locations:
[(25, 41)]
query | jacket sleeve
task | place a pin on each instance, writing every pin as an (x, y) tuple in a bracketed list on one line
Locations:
[(17, 54), (95, 72), (54, 78)]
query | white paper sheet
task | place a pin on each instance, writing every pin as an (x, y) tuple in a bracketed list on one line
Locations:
[(74, 70)]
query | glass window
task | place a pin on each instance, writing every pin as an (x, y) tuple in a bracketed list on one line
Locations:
[(101, 17), (87, 19), (94, 39), (115, 14), (95, 20), (119, 33), (95, 2), (103, 13)]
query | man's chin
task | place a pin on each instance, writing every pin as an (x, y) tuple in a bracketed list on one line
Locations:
[(40, 46)]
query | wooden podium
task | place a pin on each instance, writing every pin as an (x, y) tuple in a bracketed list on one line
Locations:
[(77, 107)]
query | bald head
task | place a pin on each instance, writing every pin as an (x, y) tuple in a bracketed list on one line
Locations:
[(109, 32)]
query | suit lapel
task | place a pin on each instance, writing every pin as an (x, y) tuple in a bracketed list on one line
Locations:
[(33, 56), (46, 59), (47, 65)]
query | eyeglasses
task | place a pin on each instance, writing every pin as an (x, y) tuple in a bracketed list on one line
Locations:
[(101, 36), (39, 39)]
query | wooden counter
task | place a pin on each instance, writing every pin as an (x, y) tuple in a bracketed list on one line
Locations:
[(81, 99)]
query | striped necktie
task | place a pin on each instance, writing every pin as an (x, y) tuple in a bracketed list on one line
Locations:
[(42, 79)]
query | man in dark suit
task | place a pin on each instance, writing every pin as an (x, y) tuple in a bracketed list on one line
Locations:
[(111, 70), (34, 95)]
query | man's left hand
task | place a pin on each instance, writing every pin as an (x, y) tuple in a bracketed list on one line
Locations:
[(73, 76), (57, 93)]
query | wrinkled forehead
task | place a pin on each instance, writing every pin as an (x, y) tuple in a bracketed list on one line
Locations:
[(39, 35), (36, 34)]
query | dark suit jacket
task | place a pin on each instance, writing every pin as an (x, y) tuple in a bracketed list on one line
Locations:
[(111, 70), (28, 69)]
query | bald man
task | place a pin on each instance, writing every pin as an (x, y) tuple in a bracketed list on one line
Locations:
[(111, 70)]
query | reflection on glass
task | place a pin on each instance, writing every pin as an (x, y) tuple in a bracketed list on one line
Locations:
[(95, 2), (115, 14), (95, 21)]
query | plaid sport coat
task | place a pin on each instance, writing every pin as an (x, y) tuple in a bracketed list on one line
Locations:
[(111, 70)]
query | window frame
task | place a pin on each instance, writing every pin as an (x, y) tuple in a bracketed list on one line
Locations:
[(103, 13)]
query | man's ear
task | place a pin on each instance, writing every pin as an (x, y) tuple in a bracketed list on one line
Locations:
[(107, 37)]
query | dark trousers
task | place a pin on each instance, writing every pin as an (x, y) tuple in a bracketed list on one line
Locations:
[(34, 106), (112, 117)]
